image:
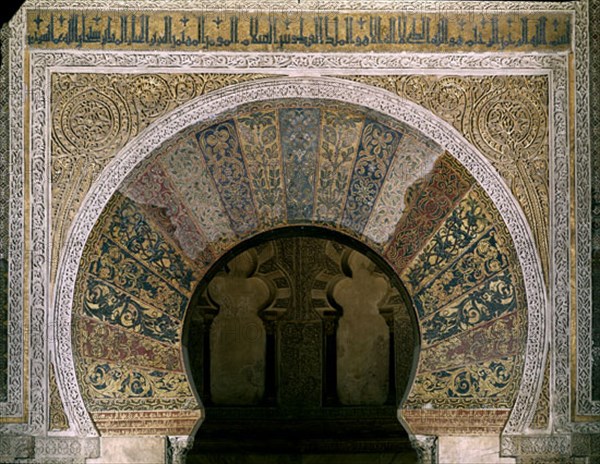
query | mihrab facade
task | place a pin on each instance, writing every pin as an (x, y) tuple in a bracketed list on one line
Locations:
[(320, 229)]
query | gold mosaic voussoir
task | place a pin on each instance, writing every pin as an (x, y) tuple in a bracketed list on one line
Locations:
[(505, 118)]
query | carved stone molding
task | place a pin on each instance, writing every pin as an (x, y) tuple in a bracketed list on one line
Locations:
[(563, 448), (326, 88), (13, 73), (12, 448), (586, 445), (583, 168), (62, 449)]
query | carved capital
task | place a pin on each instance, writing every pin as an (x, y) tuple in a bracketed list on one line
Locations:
[(177, 448), (426, 447)]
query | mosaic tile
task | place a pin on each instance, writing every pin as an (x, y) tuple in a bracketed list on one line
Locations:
[(500, 337), (300, 132), (221, 149), (470, 386), (261, 147), (58, 421), (117, 267), (118, 381), (494, 298), (480, 262), (123, 346), (464, 225), (340, 137), (154, 188), (150, 418), (428, 202), (185, 164), (377, 147), (127, 226), (473, 422), (107, 303), (412, 161), (270, 164)]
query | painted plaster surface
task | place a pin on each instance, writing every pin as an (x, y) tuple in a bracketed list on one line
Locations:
[(237, 335), (329, 317)]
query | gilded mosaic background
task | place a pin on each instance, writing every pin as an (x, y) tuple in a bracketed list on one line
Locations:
[(287, 162), (296, 30)]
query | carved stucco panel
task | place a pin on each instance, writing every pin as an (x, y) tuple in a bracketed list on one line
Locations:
[(12, 146)]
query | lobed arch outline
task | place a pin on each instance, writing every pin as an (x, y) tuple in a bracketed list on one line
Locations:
[(229, 98)]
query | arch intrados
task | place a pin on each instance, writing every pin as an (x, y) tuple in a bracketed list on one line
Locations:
[(208, 107)]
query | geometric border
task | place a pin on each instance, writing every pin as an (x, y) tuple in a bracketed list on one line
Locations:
[(584, 403), (300, 87), (14, 408)]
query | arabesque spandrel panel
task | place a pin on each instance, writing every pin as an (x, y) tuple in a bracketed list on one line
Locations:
[(506, 117)]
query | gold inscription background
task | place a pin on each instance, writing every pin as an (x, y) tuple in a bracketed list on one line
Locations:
[(300, 31)]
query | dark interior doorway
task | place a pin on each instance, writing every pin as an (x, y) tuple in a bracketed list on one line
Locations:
[(301, 345)]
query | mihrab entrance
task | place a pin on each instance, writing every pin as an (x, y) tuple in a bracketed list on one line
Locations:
[(301, 347)]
